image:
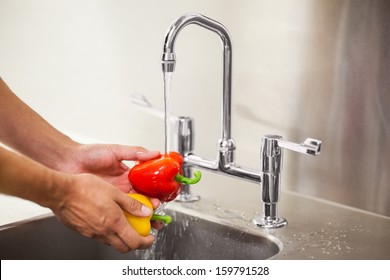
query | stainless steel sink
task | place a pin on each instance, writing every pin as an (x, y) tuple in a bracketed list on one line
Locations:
[(186, 238)]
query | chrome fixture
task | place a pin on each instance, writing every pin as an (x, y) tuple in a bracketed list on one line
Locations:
[(271, 158), (226, 146), (184, 144), (271, 147)]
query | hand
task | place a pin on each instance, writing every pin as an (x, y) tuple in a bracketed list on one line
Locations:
[(106, 161), (95, 208)]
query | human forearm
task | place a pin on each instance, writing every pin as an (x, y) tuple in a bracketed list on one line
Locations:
[(27, 179), (25, 131)]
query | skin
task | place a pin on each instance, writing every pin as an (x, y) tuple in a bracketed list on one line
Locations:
[(84, 185)]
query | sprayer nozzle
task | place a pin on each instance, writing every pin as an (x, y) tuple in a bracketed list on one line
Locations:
[(168, 66), (168, 61)]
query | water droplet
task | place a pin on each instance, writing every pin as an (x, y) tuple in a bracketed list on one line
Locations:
[(320, 243)]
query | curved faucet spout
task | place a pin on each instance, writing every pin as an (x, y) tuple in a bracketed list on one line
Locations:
[(168, 59)]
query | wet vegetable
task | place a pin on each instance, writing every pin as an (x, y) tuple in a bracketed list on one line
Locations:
[(161, 177), (142, 224)]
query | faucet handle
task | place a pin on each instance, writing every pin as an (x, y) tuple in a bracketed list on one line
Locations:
[(310, 146), (271, 158)]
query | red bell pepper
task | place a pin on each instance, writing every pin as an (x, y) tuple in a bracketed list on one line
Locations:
[(161, 177)]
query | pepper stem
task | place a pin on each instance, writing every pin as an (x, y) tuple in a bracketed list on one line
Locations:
[(189, 181), (164, 218)]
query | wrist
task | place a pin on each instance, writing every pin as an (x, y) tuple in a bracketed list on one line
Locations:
[(64, 159), (59, 189)]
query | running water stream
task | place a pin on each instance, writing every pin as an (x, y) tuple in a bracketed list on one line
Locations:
[(167, 110), (153, 252), (167, 124)]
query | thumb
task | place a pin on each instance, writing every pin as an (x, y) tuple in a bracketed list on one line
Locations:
[(133, 207)]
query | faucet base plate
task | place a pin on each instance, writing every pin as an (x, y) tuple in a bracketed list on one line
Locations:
[(267, 223)]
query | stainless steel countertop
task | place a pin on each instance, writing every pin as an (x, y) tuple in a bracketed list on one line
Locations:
[(316, 229)]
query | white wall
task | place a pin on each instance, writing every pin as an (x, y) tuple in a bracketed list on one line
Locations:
[(300, 69), (78, 62)]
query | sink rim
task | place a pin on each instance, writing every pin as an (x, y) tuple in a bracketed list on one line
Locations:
[(26, 221), (248, 228)]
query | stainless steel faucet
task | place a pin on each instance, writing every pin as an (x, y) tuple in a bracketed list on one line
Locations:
[(226, 146), (271, 147)]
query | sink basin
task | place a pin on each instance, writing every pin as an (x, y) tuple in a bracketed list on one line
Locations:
[(186, 238)]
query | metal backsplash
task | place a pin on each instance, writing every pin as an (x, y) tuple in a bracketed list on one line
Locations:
[(346, 103)]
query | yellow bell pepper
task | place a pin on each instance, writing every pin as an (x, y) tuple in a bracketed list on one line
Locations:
[(142, 224)]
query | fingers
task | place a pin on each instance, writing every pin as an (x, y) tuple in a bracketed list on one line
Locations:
[(132, 206), (155, 202), (147, 155), (158, 225), (133, 240), (120, 235), (124, 238), (128, 239), (133, 153), (135, 207)]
